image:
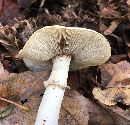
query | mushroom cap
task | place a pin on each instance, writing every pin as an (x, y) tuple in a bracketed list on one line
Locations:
[(87, 47)]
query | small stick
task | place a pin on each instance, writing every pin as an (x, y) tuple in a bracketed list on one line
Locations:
[(20, 106), (42, 3)]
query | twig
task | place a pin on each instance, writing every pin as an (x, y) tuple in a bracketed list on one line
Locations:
[(20, 106), (42, 3)]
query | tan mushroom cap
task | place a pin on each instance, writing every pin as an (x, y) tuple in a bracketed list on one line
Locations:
[(87, 47)]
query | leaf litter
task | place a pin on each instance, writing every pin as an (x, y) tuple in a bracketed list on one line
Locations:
[(117, 89), (110, 17)]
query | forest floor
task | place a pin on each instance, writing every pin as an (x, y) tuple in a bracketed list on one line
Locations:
[(99, 95)]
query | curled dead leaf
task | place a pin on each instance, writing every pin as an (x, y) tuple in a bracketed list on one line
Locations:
[(116, 80)]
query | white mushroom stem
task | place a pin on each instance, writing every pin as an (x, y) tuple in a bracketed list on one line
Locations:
[(49, 109)]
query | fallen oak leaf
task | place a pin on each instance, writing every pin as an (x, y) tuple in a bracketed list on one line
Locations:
[(118, 88)]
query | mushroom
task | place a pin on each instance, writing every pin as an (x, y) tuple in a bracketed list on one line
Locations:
[(67, 47)]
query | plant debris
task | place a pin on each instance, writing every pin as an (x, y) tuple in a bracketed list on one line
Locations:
[(109, 83), (116, 80)]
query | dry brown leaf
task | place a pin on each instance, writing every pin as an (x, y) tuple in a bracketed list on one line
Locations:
[(4, 91), (119, 115), (25, 85), (13, 38), (112, 96), (31, 84), (116, 78), (75, 105), (95, 113), (4, 94), (113, 73), (27, 28), (4, 74), (76, 109)]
